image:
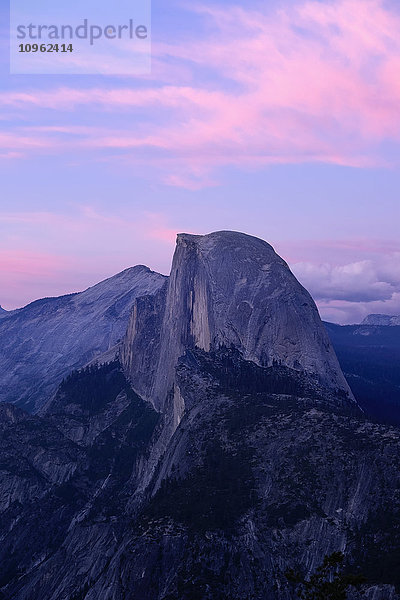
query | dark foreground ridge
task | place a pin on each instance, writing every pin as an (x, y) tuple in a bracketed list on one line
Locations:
[(261, 476)]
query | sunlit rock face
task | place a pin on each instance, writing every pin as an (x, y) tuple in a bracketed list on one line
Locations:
[(227, 289)]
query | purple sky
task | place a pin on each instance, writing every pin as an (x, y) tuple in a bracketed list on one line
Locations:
[(283, 122)]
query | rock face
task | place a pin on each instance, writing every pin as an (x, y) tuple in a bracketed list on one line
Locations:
[(391, 321), (222, 448), (3, 312), (44, 341), (261, 475), (226, 289), (34, 456), (55, 482)]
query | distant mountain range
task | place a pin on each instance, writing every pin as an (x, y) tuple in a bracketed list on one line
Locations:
[(393, 321), (369, 355), (194, 438)]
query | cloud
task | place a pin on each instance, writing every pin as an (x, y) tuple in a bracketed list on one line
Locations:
[(348, 313), (353, 290), (27, 274), (313, 82), (34, 264)]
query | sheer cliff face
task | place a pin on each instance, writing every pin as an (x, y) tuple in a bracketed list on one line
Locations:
[(227, 289)]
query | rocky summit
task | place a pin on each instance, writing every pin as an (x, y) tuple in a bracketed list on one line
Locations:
[(215, 449), (227, 289), (42, 342)]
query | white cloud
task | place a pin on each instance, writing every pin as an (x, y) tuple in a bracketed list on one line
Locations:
[(346, 293)]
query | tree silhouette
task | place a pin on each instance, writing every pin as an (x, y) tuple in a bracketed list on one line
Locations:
[(329, 582)]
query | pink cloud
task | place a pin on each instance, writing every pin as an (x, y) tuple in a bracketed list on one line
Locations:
[(25, 274), (188, 181), (11, 155), (158, 230), (314, 82), (34, 264), (20, 141)]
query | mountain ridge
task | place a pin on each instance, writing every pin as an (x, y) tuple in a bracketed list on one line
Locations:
[(382, 320), (43, 341)]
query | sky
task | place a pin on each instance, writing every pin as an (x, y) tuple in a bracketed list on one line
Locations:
[(280, 119)]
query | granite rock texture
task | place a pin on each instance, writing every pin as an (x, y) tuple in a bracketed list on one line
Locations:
[(44, 341), (226, 289)]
